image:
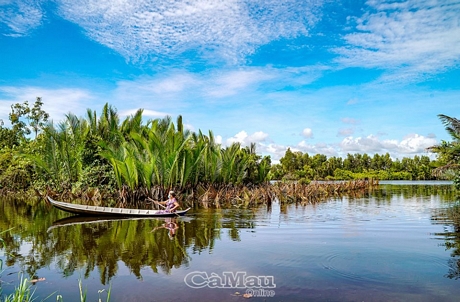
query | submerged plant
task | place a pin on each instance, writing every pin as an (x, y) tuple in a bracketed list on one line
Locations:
[(83, 293), (108, 293)]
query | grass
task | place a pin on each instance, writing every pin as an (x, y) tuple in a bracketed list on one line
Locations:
[(83, 293), (22, 293), (285, 192)]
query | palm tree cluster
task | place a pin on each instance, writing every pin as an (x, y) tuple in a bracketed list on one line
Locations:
[(146, 159), (449, 152)]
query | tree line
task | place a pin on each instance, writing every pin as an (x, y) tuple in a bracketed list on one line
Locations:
[(305, 167)]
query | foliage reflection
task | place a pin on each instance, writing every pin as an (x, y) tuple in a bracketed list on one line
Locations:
[(77, 244), (450, 218)]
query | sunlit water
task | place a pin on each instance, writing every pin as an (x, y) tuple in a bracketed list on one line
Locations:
[(396, 243)]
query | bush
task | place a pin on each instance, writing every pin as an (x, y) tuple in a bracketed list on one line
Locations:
[(16, 173), (457, 181)]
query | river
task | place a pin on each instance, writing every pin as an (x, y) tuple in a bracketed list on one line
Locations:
[(398, 242)]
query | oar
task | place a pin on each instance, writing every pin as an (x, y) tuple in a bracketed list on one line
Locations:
[(155, 201)]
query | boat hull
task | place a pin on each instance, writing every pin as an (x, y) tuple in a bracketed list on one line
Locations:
[(107, 211)]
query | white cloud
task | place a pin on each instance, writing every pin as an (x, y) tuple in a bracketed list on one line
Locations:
[(414, 37), (258, 137), (167, 85), (175, 83), (218, 139), (245, 140), (232, 28), (369, 144), (238, 138), (57, 102), (162, 95), (275, 151), (346, 132), (233, 82), (410, 145), (318, 148), (189, 127), (20, 17), (352, 101), (415, 143), (307, 133), (145, 112), (348, 120), (179, 90)]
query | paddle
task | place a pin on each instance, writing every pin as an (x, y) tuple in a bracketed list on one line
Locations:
[(158, 203)]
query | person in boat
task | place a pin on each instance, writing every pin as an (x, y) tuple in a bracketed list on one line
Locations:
[(171, 204)]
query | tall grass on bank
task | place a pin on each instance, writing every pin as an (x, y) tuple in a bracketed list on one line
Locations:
[(218, 195), (246, 196)]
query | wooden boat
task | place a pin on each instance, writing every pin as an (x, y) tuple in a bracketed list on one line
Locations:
[(106, 211)]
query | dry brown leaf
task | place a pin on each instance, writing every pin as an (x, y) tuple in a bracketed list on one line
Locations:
[(37, 280)]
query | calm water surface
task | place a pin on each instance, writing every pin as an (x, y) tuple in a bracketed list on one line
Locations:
[(400, 242)]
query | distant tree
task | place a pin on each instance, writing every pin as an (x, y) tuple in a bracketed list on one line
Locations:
[(37, 117), (366, 161), (8, 139), (18, 113), (354, 166), (290, 161)]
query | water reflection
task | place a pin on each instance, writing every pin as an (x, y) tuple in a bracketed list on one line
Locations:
[(84, 244), (450, 218), (170, 225), (349, 248)]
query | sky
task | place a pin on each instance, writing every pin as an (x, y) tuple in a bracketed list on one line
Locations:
[(325, 77)]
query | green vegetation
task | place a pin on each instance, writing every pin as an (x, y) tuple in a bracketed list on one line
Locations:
[(99, 157), (449, 152), (103, 159), (22, 292), (304, 167)]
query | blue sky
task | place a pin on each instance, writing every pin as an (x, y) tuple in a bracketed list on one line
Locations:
[(329, 77)]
